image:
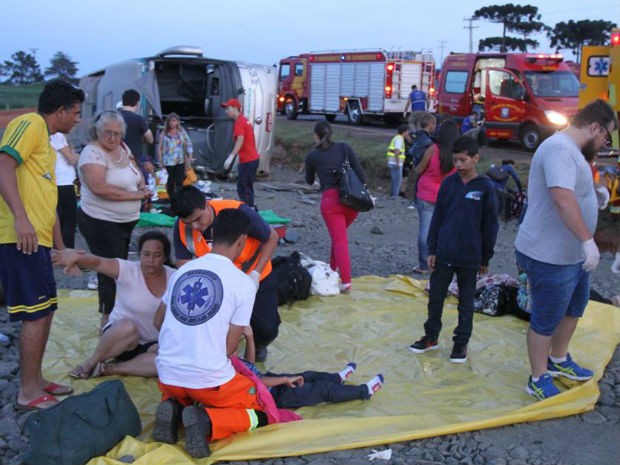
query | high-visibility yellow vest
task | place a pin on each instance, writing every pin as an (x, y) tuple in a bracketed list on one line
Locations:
[(390, 151)]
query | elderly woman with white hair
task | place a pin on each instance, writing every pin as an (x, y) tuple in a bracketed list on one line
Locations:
[(112, 190)]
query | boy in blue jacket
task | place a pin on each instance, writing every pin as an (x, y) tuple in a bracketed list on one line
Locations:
[(460, 241)]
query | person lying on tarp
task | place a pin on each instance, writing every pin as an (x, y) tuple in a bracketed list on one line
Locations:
[(310, 387), (129, 336)]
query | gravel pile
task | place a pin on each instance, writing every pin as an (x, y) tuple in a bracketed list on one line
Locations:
[(383, 242)]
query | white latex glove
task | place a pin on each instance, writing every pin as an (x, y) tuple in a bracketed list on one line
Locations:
[(591, 255), (380, 454), (255, 275), (602, 196), (615, 266), (229, 161)]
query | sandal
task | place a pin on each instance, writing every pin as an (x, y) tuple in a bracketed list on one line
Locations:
[(99, 370), (79, 373), (35, 404), (58, 389)]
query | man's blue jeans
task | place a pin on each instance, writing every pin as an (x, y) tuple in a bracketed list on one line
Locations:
[(246, 173), (396, 174)]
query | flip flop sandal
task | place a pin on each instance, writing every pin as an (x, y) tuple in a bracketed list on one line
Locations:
[(99, 370), (58, 389), (79, 373), (35, 403)]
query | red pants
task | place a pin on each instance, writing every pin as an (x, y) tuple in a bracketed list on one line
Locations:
[(338, 218), (229, 406)]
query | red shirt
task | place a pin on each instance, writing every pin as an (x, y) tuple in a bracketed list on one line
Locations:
[(248, 152)]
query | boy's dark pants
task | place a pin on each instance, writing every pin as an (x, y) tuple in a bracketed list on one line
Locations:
[(440, 281), (318, 387)]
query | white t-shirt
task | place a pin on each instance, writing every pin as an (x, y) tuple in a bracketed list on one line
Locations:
[(65, 173), (122, 174), (134, 301), (543, 236), (203, 298)]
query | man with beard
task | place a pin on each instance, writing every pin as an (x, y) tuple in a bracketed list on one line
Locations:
[(555, 244)]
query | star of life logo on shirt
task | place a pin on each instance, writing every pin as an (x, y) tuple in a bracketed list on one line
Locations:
[(196, 297)]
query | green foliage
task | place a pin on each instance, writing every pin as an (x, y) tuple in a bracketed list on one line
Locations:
[(573, 35), (19, 96), (508, 43), (521, 19), (61, 66), (21, 69)]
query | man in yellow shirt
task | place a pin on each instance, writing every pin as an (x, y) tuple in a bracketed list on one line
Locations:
[(28, 230)]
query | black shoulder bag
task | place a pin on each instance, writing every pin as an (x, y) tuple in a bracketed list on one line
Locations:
[(353, 193)]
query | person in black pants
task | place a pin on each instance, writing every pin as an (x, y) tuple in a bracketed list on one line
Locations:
[(66, 160), (460, 241)]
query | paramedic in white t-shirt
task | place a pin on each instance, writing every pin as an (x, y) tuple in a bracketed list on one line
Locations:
[(204, 310)]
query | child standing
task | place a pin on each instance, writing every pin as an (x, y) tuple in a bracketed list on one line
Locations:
[(460, 241), (310, 387)]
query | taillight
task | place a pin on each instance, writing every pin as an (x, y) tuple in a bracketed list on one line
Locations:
[(431, 91), (388, 80)]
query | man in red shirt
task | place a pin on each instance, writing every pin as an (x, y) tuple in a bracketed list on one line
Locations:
[(245, 147)]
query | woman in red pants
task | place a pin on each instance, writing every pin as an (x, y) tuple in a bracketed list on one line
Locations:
[(324, 162)]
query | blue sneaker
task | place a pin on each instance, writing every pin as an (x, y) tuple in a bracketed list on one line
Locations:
[(569, 369), (543, 388)]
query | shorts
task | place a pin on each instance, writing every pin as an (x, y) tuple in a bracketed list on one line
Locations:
[(556, 291), (28, 282), (133, 353)]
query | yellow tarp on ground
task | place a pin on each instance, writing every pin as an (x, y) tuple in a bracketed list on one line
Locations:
[(424, 395)]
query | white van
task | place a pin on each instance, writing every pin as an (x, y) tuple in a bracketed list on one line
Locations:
[(181, 80)]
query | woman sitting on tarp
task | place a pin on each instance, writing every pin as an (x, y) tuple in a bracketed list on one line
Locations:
[(129, 335)]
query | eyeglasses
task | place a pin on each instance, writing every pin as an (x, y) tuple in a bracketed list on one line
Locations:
[(608, 138), (112, 134)]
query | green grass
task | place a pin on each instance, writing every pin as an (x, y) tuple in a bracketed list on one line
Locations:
[(19, 96)]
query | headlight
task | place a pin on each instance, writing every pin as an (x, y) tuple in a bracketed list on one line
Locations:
[(556, 118)]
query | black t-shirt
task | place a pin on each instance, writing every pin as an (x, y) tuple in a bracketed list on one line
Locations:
[(323, 163), (136, 127)]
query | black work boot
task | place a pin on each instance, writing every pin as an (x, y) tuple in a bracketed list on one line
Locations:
[(197, 430), (167, 421)]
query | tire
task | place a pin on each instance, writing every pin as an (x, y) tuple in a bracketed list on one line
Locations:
[(530, 137), (354, 113), (330, 118), (290, 109)]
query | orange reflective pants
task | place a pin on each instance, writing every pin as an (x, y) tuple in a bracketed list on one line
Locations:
[(229, 406)]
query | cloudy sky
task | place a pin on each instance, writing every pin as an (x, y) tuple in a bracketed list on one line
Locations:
[(97, 33)]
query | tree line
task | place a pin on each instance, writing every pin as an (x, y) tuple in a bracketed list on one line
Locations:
[(23, 69), (524, 20)]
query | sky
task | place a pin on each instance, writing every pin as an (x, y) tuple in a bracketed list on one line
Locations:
[(98, 33)]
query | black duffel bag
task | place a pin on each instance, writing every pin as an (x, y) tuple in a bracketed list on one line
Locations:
[(81, 427)]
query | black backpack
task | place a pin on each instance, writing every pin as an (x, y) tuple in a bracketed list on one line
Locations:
[(293, 279)]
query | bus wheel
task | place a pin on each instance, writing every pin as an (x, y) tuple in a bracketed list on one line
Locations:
[(290, 109), (530, 137)]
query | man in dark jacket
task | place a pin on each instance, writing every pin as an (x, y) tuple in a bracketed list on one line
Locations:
[(460, 241)]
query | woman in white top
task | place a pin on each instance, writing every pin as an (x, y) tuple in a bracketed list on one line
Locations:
[(129, 336), (112, 190), (66, 160)]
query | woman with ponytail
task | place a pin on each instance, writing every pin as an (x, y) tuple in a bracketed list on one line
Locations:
[(324, 162)]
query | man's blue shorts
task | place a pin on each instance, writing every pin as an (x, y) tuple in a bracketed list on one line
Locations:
[(28, 283), (556, 291)]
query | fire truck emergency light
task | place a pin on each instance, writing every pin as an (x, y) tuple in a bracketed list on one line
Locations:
[(615, 39)]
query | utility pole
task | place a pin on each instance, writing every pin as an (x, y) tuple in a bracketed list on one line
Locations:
[(442, 45), (471, 28)]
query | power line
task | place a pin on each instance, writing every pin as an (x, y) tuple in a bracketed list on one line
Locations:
[(442, 45)]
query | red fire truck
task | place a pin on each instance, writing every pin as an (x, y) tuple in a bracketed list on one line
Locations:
[(527, 96), (364, 85)]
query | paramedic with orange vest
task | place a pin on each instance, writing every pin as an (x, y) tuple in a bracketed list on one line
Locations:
[(193, 236)]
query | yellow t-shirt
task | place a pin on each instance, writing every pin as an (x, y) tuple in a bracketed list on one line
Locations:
[(27, 140)]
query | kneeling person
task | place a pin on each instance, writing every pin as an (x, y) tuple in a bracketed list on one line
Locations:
[(203, 312), (193, 234)]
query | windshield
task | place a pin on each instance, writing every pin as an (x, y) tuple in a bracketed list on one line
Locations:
[(553, 83)]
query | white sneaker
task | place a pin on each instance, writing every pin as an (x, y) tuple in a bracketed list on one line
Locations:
[(93, 282)]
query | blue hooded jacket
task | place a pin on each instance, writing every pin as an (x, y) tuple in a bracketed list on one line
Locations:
[(464, 227)]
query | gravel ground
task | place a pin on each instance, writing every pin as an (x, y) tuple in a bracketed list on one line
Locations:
[(383, 242)]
